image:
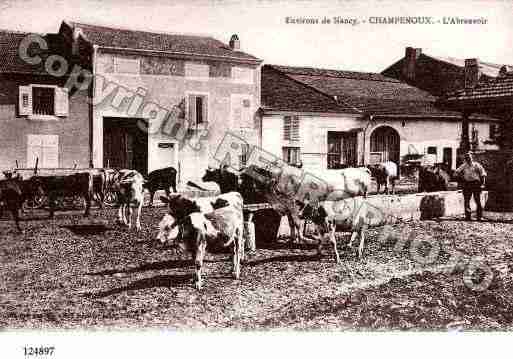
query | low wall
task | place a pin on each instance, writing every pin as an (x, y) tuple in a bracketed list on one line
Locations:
[(386, 209)]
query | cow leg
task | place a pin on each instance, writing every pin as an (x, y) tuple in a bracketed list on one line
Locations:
[(16, 217), (333, 240), (152, 194), (51, 204), (122, 213), (138, 218), (393, 185), (353, 237), (130, 211), (199, 255), (88, 198), (236, 258), (362, 242)]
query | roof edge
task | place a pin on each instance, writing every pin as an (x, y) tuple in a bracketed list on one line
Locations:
[(314, 89)]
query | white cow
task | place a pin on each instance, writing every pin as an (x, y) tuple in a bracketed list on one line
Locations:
[(192, 224)]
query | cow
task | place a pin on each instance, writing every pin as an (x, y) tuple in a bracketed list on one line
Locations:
[(433, 178), (128, 186), (192, 225), (14, 192), (163, 178), (70, 185), (385, 174), (227, 180)]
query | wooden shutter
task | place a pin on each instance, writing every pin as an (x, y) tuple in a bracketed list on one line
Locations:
[(287, 120), (50, 151), (61, 102), (294, 132), (25, 101), (192, 111)]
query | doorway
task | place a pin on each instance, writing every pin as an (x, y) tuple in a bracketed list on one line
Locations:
[(125, 145)]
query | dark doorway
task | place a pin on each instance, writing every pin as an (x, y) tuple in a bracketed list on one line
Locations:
[(125, 145), (447, 157)]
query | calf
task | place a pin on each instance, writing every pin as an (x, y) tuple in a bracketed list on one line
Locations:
[(163, 178), (326, 220), (193, 225), (433, 178), (128, 185), (80, 184), (385, 174), (14, 192)]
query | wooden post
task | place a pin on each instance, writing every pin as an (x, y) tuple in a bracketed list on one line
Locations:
[(249, 228), (465, 142), (35, 167)]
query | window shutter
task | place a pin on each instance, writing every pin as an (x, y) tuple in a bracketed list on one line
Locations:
[(192, 111), (286, 127), (61, 102), (25, 101), (294, 134)]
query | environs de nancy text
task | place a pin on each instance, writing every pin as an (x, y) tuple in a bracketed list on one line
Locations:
[(387, 20)]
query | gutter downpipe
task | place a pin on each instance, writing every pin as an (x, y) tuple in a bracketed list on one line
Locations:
[(91, 108), (371, 118)]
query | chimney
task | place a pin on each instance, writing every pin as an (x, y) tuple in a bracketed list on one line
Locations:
[(74, 47), (235, 42), (472, 73), (410, 63)]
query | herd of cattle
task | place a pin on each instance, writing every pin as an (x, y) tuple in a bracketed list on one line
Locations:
[(192, 224)]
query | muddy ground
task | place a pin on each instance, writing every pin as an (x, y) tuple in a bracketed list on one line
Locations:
[(74, 273)]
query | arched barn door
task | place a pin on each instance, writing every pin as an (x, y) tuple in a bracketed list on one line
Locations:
[(385, 140)]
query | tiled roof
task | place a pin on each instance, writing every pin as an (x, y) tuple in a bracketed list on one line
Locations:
[(368, 92), (499, 88), (487, 68), (282, 93), (171, 43), (10, 59)]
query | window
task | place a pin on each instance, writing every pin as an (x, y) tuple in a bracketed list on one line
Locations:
[(292, 155), (291, 128), (43, 101), (431, 150), (474, 143), (44, 149), (126, 65), (198, 110)]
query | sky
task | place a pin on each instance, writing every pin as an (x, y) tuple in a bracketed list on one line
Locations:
[(264, 32)]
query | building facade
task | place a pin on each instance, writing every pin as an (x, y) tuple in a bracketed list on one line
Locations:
[(38, 118), (166, 100), (364, 118)]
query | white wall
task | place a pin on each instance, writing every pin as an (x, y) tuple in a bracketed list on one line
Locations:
[(419, 133)]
